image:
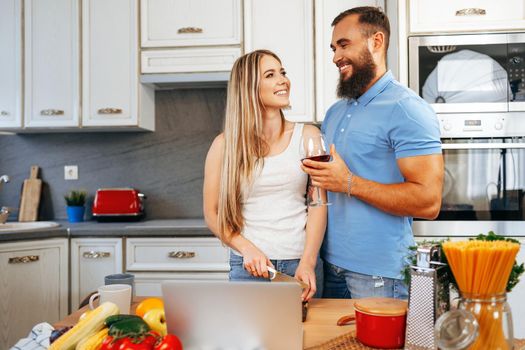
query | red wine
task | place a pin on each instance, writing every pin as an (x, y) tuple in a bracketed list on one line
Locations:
[(321, 158)]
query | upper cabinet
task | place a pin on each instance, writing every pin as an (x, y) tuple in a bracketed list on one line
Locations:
[(52, 64), (11, 64), (55, 73), (266, 24), (430, 16), (176, 23), (190, 36), (111, 92)]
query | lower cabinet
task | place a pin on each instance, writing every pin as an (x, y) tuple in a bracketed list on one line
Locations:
[(91, 260), (153, 260), (33, 286)]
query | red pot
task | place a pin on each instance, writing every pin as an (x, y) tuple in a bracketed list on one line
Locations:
[(380, 322)]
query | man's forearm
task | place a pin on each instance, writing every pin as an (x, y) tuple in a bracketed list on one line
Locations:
[(402, 199)]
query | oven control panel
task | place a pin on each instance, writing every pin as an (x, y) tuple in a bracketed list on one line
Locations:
[(482, 125)]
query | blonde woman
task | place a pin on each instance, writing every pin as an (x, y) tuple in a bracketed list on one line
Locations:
[(254, 188)]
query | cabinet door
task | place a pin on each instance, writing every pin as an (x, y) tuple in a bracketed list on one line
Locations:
[(465, 15), (326, 72), (517, 296), (91, 260), (173, 23), (265, 28), (109, 62), (33, 287), (10, 64), (51, 63)]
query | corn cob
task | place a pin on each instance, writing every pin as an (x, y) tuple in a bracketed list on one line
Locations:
[(92, 323), (94, 341)]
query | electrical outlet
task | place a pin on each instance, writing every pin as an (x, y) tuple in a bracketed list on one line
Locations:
[(71, 172)]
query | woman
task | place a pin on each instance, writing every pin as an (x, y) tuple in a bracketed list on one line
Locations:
[(254, 189)]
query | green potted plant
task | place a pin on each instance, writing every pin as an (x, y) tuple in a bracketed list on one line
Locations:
[(75, 200)]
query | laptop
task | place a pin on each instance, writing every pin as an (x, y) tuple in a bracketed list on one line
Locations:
[(234, 315)]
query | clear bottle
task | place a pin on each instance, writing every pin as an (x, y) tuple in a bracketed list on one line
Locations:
[(494, 318)]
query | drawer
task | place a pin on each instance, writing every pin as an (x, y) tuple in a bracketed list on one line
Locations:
[(176, 254)]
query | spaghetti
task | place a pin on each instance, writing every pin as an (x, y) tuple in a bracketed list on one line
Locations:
[(481, 270)]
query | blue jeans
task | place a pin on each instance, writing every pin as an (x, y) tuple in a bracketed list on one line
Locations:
[(238, 273), (340, 283)]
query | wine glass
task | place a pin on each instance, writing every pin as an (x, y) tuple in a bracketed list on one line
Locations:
[(314, 148)]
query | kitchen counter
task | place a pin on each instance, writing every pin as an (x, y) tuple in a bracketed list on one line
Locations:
[(149, 228), (319, 327)]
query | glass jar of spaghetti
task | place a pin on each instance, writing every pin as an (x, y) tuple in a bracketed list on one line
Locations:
[(494, 319)]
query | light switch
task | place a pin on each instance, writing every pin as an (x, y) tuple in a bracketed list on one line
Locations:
[(71, 172)]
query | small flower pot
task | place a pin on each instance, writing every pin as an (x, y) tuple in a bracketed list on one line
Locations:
[(75, 214)]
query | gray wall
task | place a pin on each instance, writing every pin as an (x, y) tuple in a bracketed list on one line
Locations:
[(167, 165)]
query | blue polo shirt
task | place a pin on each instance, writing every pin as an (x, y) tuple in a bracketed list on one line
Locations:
[(388, 122)]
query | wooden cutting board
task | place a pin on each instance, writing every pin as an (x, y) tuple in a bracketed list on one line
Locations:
[(30, 198)]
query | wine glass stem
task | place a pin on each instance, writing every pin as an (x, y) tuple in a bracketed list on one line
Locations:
[(319, 200)]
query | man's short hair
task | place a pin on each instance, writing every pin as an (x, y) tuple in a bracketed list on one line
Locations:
[(373, 18)]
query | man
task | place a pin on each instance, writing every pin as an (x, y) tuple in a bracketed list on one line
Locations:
[(386, 164)]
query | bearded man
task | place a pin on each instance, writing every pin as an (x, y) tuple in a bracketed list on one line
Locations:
[(386, 166)]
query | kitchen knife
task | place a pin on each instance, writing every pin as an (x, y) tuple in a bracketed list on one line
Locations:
[(276, 276)]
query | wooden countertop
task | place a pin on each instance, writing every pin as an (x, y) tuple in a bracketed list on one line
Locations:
[(319, 327)]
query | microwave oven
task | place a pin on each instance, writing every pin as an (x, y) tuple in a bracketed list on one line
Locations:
[(474, 82)]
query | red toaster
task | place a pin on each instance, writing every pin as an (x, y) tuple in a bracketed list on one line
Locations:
[(118, 203)]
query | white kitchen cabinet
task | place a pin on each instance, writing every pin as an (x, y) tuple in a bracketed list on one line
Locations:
[(91, 260), (326, 72), (153, 260), (111, 92), (429, 16), (52, 63), (33, 286), (177, 23), (516, 298), (11, 64), (265, 27)]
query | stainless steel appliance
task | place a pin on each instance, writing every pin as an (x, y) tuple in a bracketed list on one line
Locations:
[(474, 82)]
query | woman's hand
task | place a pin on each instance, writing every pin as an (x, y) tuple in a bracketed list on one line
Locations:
[(305, 272), (255, 261)]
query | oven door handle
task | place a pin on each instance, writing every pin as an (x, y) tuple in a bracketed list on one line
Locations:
[(488, 145)]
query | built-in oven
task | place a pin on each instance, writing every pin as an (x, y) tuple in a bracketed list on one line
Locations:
[(476, 85), (484, 179), (474, 82)]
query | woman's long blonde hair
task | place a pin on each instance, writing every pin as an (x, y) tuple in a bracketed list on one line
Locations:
[(244, 147)]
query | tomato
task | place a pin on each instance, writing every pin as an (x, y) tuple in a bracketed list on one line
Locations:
[(169, 342), (148, 304), (110, 344), (130, 344)]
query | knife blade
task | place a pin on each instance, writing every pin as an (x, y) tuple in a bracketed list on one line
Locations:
[(276, 276)]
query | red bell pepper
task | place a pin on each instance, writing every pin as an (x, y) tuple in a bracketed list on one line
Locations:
[(168, 342)]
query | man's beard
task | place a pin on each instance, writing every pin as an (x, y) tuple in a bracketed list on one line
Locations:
[(363, 71)]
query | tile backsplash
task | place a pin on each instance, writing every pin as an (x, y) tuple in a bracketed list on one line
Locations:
[(166, 165)]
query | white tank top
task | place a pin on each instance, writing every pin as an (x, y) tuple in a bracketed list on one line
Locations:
[(274, 206)]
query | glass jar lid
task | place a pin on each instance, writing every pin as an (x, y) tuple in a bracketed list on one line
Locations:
[(456, 330)]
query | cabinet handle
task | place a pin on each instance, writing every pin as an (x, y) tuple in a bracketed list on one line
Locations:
[(110, 111), (51, 112), (96, 255), (181, 255), (4, 113), (189, 30), (23, 259), (472, 11)]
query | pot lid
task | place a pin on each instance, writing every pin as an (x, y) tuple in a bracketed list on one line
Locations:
[(381, 306)]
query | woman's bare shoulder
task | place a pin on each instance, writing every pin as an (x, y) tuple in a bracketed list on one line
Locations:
[(310, 130)]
